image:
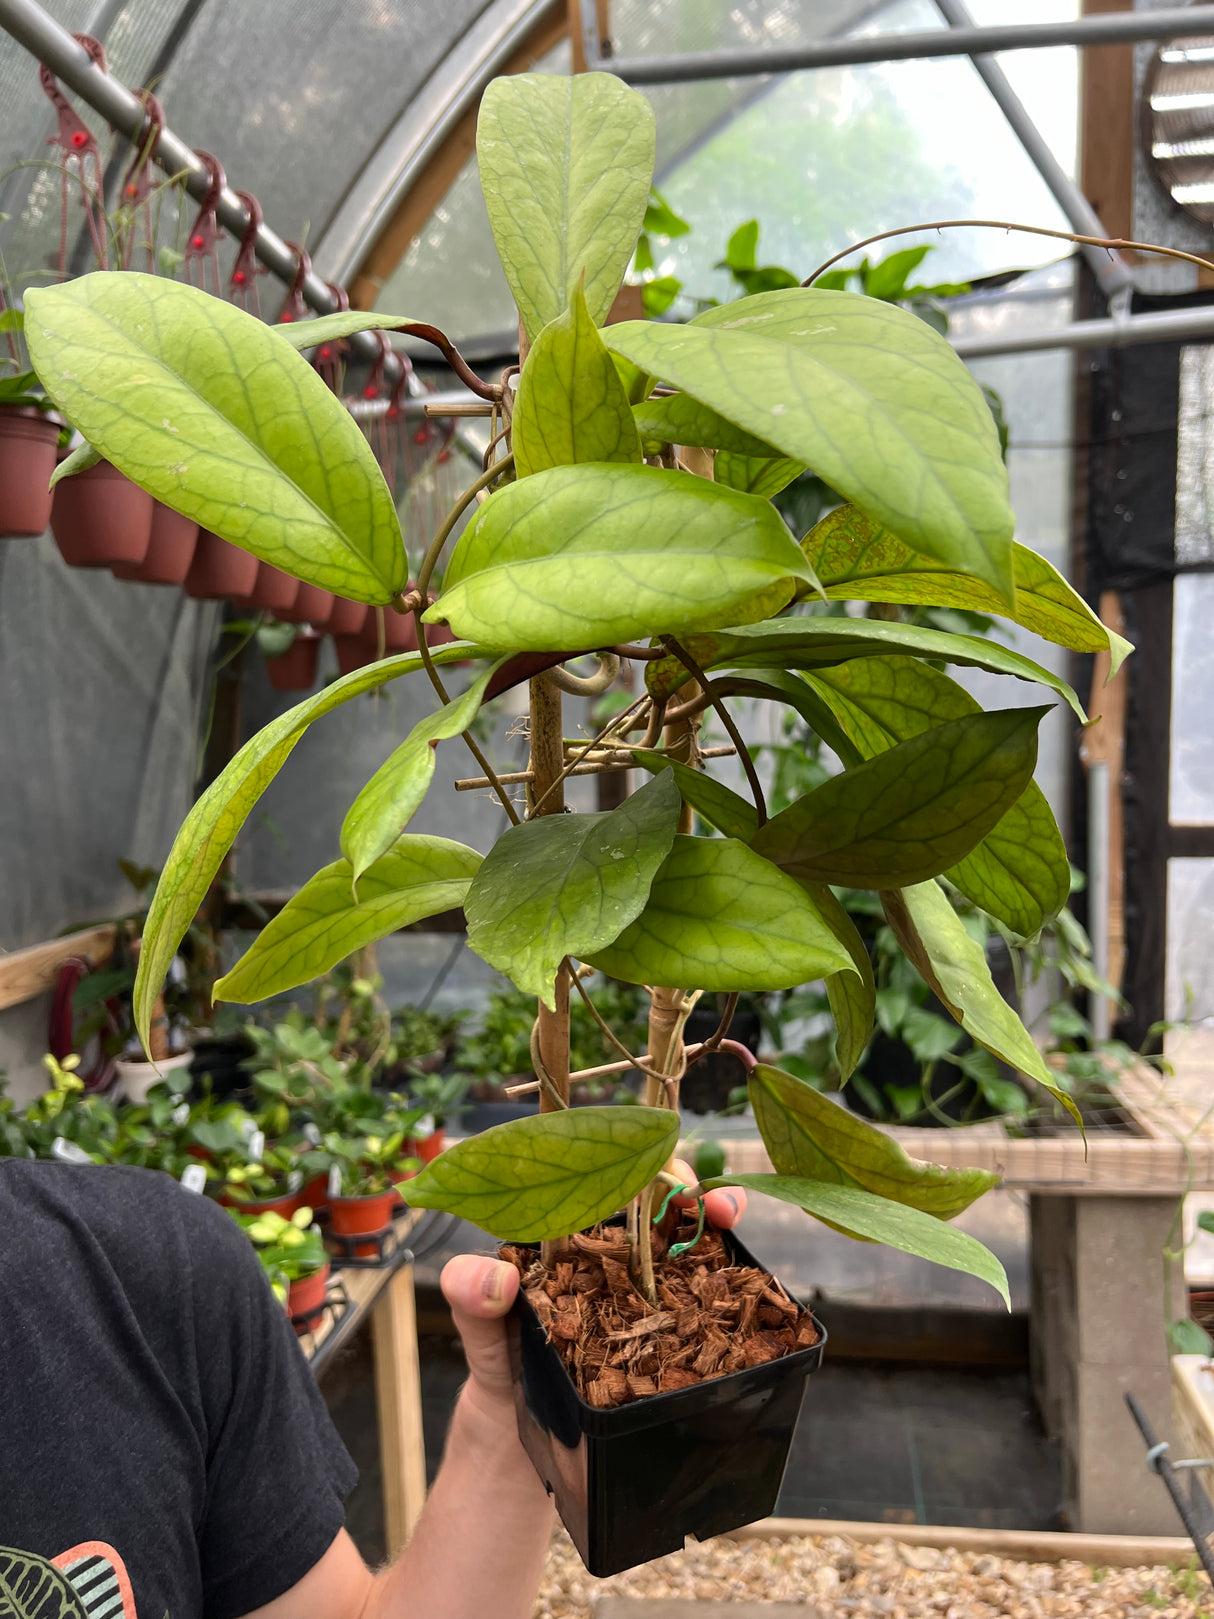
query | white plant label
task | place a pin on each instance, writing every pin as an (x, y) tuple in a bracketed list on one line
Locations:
[(194, 1178), (311, 1133), (257, 1145), (68, 1152), (334, 1180)]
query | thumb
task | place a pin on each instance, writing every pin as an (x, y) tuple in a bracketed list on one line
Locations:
[(480, 1292)]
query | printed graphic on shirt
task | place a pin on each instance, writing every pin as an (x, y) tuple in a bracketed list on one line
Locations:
[(88, 1582)]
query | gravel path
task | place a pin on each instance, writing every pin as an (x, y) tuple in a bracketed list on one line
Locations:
[(842, 1579)]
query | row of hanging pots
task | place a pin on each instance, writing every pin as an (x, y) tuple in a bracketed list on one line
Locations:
[(100, 519)]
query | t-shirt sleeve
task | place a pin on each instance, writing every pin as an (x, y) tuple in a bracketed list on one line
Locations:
[(277, 1473)]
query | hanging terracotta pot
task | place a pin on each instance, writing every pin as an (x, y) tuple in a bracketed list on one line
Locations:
[(311, 606), (295, 669), (273, 591), (170, 550), (345, 617), (27, 460), (100, 518), (219, 571), (356, 651)]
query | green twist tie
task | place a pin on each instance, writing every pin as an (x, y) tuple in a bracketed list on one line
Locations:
[(682, 1247), (673, 1192)]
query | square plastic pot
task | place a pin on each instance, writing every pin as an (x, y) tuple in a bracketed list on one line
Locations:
[(632, 1483)]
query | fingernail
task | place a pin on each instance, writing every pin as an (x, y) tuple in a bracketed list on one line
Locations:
[(493, 1282), (733, 1203)]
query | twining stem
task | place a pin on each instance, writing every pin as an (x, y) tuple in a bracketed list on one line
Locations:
[(1111, 242), (727, 720), (430, 562), (546, 796)]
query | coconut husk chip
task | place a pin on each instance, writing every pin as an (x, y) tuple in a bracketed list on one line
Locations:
[(712, 1318)]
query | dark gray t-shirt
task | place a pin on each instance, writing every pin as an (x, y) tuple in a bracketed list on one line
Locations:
[(163, 1448)]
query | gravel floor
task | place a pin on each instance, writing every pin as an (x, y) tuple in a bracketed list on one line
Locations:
[(834, 1578)]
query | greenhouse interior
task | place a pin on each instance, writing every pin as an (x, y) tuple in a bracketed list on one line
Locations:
[(505, 1111)]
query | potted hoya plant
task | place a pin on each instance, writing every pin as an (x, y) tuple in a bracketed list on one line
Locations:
[(292, 1254), (627, 513)]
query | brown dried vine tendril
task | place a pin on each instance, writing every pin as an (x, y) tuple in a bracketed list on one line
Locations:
[(1110, 242), (727, 720)]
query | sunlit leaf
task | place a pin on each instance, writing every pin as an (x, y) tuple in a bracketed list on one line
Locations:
[(571, 404), (209, 830), (858, 559), (217, 415), (811, 1135), (563, 885), (852, 996), (954, 966), (585, 557), (757, 475), (388, 802), (679, 419), (863, 1214), (322, 923), (865, 394), (721, 918), (549, 1175), (720, 806), (565, 166)]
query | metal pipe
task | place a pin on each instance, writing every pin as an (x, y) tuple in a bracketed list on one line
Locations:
[(31, 27), (1108, 28), (1178, 326), (1157, 1461), (1099, 805), (1112, 272)]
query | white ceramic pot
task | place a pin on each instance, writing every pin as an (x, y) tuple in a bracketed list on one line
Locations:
[(135, 1079)]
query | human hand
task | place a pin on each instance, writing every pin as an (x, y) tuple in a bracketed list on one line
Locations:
[(722, 1208)]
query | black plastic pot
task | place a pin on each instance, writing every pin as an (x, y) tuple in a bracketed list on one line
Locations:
[(706, 1086), (632, 1483)]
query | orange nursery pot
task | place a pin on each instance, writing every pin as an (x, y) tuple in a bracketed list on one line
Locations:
[(306, 1299), (427, 1148), (315, 1195), (170, 552), (273, 591), (27, 459), (295, 669), (361, 1216), (345, 617), (100, 518), (285, 1205), (312, 605), (219, 571)]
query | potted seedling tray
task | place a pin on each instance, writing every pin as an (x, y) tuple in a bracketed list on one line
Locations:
[(631, 1483)]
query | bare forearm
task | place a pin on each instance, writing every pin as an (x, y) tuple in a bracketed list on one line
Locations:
[(480, 1543)]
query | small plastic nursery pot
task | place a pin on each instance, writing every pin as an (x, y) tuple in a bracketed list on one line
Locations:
[(219, 571), (28, 438), (356, 651), (306, 1299), (315, 1194), (100, 518), (361, 1216), (170, 550), (631, 1483), (427, 1148), (273, 591), (285, 1205), (345, 617), (135, 1079), (295, 669)]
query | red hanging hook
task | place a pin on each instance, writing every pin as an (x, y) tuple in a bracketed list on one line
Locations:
[(294, 308), (242, 283), (329, 358), (202, 244), (79, 146), (137, 184)]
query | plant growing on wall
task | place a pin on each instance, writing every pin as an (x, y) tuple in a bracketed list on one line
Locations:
[(591, 533)]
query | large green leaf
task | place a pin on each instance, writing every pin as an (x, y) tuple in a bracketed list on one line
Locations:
[(679, 419), (566, 165), (911, 812), (218, 416), (863, 1214), (857, 559), (550, 1175), (571, 403), (388, 802), (322, 923), (852, 996), (588, 556), (1019, 873), (209, 830), (865, 394), (813, 643), (720, 806), (757, 475), (721, 918), (568, 884), (954, 966), (814, 1136)]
